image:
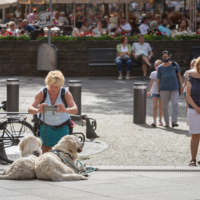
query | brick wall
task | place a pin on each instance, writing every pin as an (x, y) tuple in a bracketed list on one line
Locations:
[(18, 58)]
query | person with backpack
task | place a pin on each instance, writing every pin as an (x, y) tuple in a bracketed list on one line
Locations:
[(57, 123), (169, 82)]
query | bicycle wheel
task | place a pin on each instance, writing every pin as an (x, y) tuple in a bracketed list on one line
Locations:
[(12, 133)]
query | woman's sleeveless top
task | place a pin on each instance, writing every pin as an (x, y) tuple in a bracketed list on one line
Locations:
[(54, 118)]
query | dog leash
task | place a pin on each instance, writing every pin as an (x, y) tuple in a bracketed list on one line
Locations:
[(90, 169)]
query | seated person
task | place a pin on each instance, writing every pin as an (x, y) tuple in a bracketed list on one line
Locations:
[(142, 52), (124, 56), (63, 19), (123, 27), (184, 26), (108, 27), (54, 21), (99, 30), (12, 31), (163, 28), (86, 28), (32, 17), (155, 23), (184, 17), (144, 26), (27, 27), (19, 24), (76, 31), (7, 19)]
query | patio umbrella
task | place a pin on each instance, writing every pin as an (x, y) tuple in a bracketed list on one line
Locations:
[(7, 3)]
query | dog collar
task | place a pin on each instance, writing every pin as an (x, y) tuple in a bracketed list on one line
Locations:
[(36, 153)]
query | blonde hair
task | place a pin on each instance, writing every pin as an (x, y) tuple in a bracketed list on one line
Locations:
[(12, 23), (158, 62), (197, 62), (193, 62), (55, 76)]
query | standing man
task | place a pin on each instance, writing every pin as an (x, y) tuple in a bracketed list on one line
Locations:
[(142, 52), (144, 26), (123, 27)]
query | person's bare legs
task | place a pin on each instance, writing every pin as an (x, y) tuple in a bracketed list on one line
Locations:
[(146, 60), (194, 145), (45, 149), (144, 69), (155, 102), (160, 110), (117, 33)]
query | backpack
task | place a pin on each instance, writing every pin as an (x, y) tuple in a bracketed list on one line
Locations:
[(175, 67), (36, 120)]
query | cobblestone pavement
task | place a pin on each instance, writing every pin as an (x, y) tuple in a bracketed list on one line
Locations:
[(110, 102)]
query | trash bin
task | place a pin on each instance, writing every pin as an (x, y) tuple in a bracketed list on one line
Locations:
[(139, 108), (75, 87)]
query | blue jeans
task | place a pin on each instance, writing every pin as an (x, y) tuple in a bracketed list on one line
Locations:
[(120, 64)]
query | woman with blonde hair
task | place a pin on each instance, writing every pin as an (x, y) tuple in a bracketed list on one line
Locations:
[(193, 98), (57, 124)]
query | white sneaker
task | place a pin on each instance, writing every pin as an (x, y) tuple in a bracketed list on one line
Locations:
[(120, 77), (127, 77)]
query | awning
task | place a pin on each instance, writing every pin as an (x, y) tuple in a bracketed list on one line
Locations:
[(31, 1), (95, 1), (7, 3)]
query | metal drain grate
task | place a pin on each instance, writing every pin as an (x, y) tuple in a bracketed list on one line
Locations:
[(149, 170)]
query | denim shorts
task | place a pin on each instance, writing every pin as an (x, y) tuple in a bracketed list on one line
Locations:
[(184, 93), (155, 95)]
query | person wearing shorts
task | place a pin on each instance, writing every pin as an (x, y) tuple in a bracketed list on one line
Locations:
[(142, 52), (193, 98), (153, 90), (186, 75)]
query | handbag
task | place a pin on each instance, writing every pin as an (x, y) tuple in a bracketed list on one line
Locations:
[(125, 57)]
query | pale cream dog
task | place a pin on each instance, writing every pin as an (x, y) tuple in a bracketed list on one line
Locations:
[(24, 168), (50, 166)]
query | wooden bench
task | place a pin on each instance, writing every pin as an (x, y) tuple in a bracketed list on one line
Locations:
[(195, 52), (106, 57)]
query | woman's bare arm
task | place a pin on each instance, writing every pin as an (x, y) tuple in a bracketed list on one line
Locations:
[(73, 109)]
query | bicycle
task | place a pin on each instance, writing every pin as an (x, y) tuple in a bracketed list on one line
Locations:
[(12, 129)]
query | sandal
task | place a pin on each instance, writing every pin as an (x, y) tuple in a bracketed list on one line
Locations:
[(192, 163), (166, 125), (153, 124), (160, 123), (174, 124)]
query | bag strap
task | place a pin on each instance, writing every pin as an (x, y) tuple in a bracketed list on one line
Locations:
[(44, 95), (63, 91), (175, 66)]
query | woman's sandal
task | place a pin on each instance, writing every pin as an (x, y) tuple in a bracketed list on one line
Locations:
[(166, 125), (154, 125), (174, 124), (192, 163)]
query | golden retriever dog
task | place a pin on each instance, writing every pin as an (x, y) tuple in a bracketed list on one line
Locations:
[(24, 168), (51, 166)]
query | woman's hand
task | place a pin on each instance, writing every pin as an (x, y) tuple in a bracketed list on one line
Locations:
[(148, 93), (61, 108), (41, 107), (121, 54), (198, 110), (181, 89)]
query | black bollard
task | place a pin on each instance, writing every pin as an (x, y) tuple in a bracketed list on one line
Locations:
[(12, 95), (75, 87), (3, 153), (139, 108)]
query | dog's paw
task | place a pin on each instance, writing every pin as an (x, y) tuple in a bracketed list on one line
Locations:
[(84, 177)]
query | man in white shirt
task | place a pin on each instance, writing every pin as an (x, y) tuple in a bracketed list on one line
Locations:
[(142, 52), (144, 26), (124, 28)]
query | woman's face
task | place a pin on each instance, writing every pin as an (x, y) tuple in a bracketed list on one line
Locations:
[(12, 27), (99, 24), (183, 24), (54, 88), (165, 56), (125, 40)]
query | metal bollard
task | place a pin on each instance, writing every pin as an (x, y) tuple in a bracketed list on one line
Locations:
[(75, 87), (12, 95), (3, 153), (139, 115)]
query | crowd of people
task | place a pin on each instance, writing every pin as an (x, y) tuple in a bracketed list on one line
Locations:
[(100, 24)]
